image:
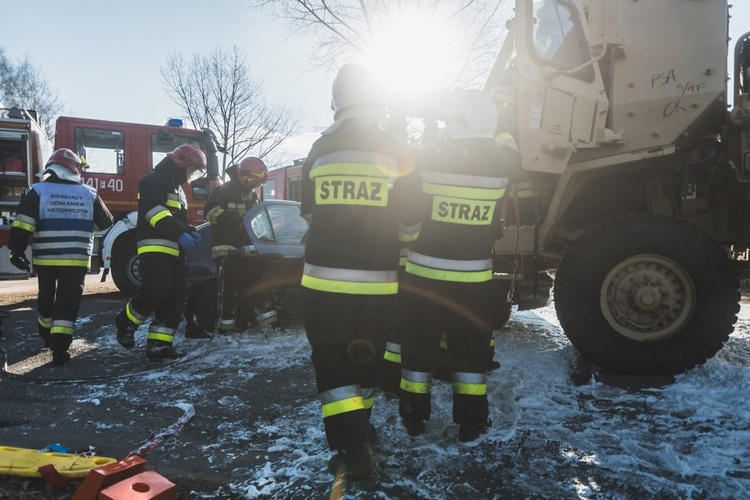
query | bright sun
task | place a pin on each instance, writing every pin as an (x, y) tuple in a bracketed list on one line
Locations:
[(415, 53)]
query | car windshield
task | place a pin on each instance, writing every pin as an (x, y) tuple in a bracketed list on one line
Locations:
[(280, 224)]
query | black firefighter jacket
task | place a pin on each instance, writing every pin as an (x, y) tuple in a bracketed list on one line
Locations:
[(225, 210)]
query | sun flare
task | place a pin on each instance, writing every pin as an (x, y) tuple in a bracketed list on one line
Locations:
[(416, 53)]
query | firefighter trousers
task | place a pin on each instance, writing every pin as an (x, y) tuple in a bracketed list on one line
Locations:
[(347, 334), (162, 291), (242, 291), (59, 299), (463, 313)]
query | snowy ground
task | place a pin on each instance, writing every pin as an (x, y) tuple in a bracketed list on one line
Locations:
[(558, 431)]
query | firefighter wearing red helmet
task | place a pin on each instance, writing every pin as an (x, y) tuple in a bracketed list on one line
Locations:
[(164, 238), (62, 214), (225, 209)]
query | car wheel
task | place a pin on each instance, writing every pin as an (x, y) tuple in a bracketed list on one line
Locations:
[(126, 267)]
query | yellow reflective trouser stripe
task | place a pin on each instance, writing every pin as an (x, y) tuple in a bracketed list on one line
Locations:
[(160, 336), (415, 387), (443, 275), (392, 357), (351, 287), (469, 389), (444, 344), (40, 261), (158, 249), (45, 322), (132, 315), (23, 225), (492, 342), (62, 327), (416, 382), (343, 406), (471, 384)]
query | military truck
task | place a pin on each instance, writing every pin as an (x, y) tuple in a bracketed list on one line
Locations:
[(634, 192)]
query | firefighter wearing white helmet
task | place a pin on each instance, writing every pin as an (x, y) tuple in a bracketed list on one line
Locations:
[(225, 209), (62, 214), (463, 184), (354, 184), (164, 238)]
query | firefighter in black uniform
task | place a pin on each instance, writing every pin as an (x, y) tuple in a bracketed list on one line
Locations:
[(164, 238), (225, 209), (352, 191), (63, 215), (447, 284)]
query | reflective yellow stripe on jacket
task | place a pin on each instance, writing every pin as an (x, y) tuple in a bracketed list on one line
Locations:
[(352, 281), (158, 245), (461, 271)]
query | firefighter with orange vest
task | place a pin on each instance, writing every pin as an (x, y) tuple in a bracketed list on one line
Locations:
[(353, 191), (447, 281), (164, 238), (225, 209), (62, 214)]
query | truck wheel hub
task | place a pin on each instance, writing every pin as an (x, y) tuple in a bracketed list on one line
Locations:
[(647, 298)]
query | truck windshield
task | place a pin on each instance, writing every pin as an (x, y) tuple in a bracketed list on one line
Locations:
[(558, 37), (103, 149)]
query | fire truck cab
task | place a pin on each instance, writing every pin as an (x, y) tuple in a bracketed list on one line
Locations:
[(118, 154)]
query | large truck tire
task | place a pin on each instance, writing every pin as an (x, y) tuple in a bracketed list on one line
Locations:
[(126, 267), (647, 295)]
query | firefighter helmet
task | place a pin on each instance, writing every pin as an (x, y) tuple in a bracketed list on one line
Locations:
[(191, 158), (470, 114), (252, 171), (67, 159), (356, 84), (186, 155)]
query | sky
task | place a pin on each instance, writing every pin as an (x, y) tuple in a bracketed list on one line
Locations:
[(104, 56)]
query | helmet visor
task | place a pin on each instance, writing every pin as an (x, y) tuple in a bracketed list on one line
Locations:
[(193, 173)]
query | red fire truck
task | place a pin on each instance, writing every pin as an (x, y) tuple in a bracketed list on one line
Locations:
[(118, 154), (284, 183)]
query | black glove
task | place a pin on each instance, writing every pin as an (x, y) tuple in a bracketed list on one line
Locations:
[(20, 261)]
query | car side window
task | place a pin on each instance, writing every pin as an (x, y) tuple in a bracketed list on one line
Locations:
[(261, 226)]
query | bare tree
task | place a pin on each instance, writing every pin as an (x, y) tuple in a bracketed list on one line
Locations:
[(216, 91), (23, 85), (347, 29)]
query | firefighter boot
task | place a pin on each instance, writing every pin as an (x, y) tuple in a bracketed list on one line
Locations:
[(470, 432), (156, 350), (59, 344), (357, 462), (268, 319), (125, 330)]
